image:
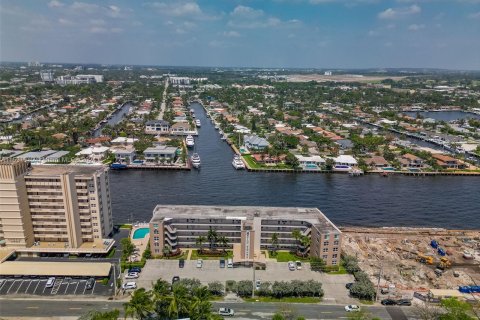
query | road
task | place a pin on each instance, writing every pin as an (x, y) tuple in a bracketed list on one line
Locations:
[(74, 308), (164, 101)]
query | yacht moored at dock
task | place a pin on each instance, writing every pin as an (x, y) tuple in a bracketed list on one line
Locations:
[(195, 158), (237, 163), (198, 123), (190, 141)]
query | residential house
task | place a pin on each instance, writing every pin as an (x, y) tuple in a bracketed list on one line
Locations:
[(409, 160), (180, 128), (157, 127), (253, 142), (95, 154), (377, 162), (312, 162), (267, 160), (123, 141), (448, 162), (124, 154), (345, 160), (160, 152)]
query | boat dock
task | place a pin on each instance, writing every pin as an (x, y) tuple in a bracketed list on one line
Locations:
[(157, 167)]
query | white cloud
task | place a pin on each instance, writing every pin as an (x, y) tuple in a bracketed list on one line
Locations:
[(98, 22), (394, 13), (65, 22), (103, 30), (416, 27), (84, 7), (55, 4), (178, 9), (246, 12), (249, 18), (475, 15), (231, 34)]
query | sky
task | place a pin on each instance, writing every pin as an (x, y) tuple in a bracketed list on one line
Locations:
[(245, 33)]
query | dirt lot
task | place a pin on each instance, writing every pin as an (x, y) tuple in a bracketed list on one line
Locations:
[(337, 78), (395, 253)]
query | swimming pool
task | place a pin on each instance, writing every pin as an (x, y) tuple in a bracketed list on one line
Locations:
[(140, 233)]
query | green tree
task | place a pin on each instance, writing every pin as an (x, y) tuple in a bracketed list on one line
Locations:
[(317, 264), (455, 310), (140, 304), (297, 235), (199, 242), (97, 315), (178, 302), (127, 248), (223, 242), (212, 237), (274, 242)]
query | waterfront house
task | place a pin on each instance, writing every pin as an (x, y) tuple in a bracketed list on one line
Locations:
[(377, 162), (312, 162), (123, 141), (253, 142), (160, 152), (448, 162), (345, 160), (95, 154), (409, 160), (268, 160), (180, 128), (124, 154), (157, 127)]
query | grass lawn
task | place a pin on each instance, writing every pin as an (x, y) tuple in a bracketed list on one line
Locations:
[(341, 270), (285, 256), (195, 255), (251, 163), (285, 300), (125, 226), (368, 302)]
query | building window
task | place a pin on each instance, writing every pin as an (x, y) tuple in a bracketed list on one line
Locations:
[(334, 262), (326, 237), (156, 238), (335, 249), (156, 244), (325, 249), (335, 256), (157, 250), (336, 236), (335, 243), (325, 243), (155, 231), (324, 257)]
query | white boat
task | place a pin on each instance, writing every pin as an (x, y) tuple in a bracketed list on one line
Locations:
[(195, 160), (198, 123), (237, 163), (223, 137), (192, 111), (216, 127), (190, 141)]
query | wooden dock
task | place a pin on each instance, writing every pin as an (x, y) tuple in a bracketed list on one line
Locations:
[(158, 167)]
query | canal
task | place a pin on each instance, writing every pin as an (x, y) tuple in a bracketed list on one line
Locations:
[(116, 118), (371, 200)]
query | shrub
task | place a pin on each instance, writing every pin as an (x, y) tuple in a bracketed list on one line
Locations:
[(231, 286), (216, 288), (244, 288)]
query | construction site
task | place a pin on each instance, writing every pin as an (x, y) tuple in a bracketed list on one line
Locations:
[(407, 260)]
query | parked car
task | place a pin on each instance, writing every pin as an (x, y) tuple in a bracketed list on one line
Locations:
[(352, 307), (257, 284), (230, 263), (135, 269), (181, 263), (90, 283), (199, 263), (388, 302), (129, 285), (299, 265), (226, 312), (291, 266), (50, 282), (175, 279), (384, 291), (349, 285), (404, 302), (131, 275), (222, 263)]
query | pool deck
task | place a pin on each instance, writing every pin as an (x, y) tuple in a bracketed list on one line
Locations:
[(140, 244)]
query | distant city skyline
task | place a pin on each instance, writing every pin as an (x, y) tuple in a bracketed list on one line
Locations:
[(249, 33)]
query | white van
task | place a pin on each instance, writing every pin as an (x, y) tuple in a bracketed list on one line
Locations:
[(230, 263), (50, 282)]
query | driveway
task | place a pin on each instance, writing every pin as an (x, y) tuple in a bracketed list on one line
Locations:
[(333, 285)]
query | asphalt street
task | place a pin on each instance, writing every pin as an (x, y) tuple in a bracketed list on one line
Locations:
[(74, 308)]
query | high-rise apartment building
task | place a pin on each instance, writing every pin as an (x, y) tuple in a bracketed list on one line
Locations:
[(54, 207), (249, 230)]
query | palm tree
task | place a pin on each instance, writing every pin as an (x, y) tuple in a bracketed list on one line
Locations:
[(178, 302), (305, 241), (223, 241), (274, 241), (199, 242), (212, 237), (296, 234), (161, 288), (140, 304)]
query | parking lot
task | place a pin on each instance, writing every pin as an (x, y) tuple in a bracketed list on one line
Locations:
[(62, 286), (333, 285)]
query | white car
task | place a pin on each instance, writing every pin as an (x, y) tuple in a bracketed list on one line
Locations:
[(199, 263), (352, 307), (291, 266), (226, 312), (50, 282), (299, 265), (129, 285), (131, 275)]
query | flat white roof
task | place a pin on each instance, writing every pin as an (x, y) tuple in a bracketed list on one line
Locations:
[(67, 269)]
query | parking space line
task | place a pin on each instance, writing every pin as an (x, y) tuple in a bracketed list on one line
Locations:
[(66, 288), (78, 282), (21, 284), (29, 285), (3, 284), (36, 286), (93, 288), (11, 286), (85, 289)]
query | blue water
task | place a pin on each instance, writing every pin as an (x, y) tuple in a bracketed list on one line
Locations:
[(369, 200), (140, 233)]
